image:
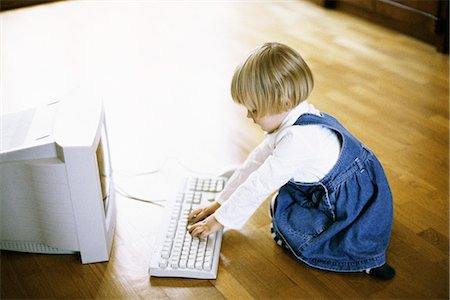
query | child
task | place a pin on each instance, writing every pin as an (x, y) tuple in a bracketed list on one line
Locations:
[(333, 209)]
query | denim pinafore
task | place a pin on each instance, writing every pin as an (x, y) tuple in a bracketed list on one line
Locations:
[(343, 222)]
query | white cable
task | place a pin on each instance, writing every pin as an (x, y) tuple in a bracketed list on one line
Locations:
[(122, 192), (161, 168), (119, 190)]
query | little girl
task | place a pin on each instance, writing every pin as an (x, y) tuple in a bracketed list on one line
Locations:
[(333, 209)]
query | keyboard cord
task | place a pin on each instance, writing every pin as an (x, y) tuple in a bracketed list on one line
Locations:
[(125, 194)]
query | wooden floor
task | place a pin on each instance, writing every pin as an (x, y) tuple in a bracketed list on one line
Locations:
[(165, 70)]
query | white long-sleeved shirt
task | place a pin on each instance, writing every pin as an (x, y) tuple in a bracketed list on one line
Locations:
[(301, 153)]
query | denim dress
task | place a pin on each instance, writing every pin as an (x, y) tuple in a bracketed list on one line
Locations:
[(343, 222)]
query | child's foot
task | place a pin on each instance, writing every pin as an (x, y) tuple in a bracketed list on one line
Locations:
[(385, 272)]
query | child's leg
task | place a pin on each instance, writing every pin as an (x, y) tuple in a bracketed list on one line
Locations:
[(385, 272)]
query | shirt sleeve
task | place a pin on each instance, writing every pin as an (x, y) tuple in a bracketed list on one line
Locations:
[(255, 159), (277, 169)]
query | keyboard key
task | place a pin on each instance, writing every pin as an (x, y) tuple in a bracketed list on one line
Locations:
[(174, 264), (183, 264), (199, 265), (163, 263), (190, 264), (207, 265)]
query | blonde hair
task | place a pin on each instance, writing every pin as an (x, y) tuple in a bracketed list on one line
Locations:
[(274, 78)]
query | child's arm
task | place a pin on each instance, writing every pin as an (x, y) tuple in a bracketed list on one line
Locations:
[(292, 152), (254, 160), (203, 212), (202, 219)]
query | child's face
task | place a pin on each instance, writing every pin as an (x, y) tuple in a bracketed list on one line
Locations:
[(267, 123)]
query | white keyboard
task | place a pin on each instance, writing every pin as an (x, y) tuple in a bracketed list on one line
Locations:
[(177, 253)]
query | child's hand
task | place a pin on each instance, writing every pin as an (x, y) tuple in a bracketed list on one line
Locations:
[(201, 213), (205, 227)]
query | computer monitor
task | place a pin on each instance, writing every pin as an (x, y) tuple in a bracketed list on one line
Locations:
[(56, 187)]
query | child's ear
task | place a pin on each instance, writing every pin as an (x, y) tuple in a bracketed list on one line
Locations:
[(287, 105)]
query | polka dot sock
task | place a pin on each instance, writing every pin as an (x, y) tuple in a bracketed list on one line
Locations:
[(276, 238)]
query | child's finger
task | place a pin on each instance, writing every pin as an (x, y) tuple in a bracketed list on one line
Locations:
[(195, 215), (192, 213), (197, 231), (199, 215), (192, 227), (204, 234)]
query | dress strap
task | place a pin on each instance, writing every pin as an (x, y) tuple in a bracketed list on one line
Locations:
[(351, 147), (322, 119)]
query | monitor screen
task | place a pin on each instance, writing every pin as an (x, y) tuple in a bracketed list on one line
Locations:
[(104, 165)]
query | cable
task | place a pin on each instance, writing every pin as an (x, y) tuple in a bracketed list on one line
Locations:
[(119, 190), (162, 167), (122, 192)]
